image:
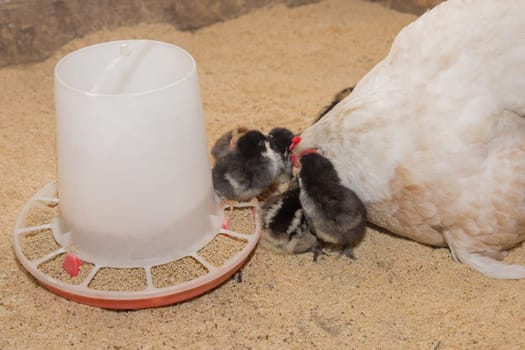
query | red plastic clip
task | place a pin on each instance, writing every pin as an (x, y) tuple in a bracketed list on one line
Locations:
[(296, 159), (72, 264), (295, 141), (226, 223)]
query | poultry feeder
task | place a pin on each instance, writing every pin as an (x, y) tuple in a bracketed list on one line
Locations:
[(134, 197)]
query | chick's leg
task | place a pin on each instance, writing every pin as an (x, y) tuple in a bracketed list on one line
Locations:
[(317, 250), (348, 252), (227, 215)]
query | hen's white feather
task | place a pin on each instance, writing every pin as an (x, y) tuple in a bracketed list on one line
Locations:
[(432, 139)]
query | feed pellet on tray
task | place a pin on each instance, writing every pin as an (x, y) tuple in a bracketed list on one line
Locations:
[(221, 249), (40, 215), (37, 244), (242, 220), (119, 279), (182, 270)]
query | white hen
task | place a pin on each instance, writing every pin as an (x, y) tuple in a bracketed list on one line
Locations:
[(432, 139)]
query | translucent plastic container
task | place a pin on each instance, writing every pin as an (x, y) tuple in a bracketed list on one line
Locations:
[(133, 167)]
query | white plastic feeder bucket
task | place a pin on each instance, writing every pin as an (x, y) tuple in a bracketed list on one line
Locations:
[(134, 179), (132, 153)]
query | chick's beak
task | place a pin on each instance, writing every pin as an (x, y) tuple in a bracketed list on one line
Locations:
[(268, 142)]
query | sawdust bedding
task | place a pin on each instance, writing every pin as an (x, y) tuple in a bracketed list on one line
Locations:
[(274, 67)]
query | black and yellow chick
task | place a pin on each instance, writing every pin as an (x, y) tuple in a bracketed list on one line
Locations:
[(335, 212), (285, 228), (250, 168), (282, 138), (226, 143)]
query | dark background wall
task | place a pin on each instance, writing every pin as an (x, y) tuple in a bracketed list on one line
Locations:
[(31, 30)]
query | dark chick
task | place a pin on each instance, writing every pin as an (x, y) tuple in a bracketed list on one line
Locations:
[(226, 143), (248, 169), (337, 98), (285, 228), (336, 213), (280, 139)]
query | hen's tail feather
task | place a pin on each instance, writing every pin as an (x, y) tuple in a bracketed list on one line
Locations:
[(492, 268), (488, 266)]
